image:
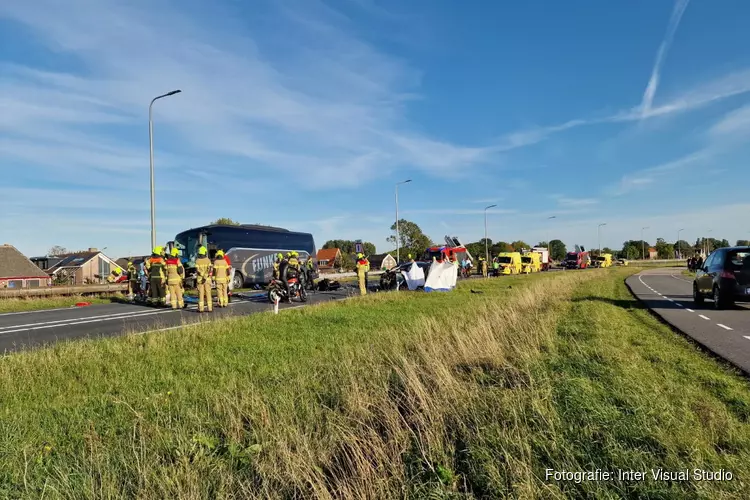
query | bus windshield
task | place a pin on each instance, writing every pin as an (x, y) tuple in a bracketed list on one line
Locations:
[(504, 260), (187, 244)]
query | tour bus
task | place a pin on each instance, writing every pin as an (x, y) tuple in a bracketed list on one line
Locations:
[(250, 248)]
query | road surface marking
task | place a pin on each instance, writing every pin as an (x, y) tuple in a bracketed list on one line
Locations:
[(689, 310), (679, 304), (74, 322), (723, 326), (42, 311), (671, 300), (704, 317), (748, 338), (71, 319)]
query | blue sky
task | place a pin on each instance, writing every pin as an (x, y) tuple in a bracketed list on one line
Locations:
[(304, 114)]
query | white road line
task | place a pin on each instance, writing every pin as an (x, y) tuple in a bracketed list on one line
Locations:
[(679, 304), (748, 338), (689, 310), (82, 322), (725, 327), (122, 314), (704, 317), (41, 311)]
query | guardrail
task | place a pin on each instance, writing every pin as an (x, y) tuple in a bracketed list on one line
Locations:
[(63, 290)]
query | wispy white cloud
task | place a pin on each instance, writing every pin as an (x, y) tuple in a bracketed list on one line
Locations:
[(647, 177), (564, 201), (334, 106), (448, 211), (653, 83), (736, 122)]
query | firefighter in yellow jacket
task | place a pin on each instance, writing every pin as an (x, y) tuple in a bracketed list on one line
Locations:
[(203, 269), (155, 269), (276, 264), (363, 267), (175, 275), (221, 276)]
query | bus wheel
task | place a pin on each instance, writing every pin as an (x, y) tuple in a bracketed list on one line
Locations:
[(238, 280)]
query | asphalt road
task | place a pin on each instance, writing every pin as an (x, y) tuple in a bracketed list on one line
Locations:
[(34, 328), (669, 294)]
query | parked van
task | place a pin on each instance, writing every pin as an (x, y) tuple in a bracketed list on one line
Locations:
[(510, 262), (603, 260), (531, 262)]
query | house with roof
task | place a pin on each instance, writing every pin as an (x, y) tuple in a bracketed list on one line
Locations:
[(652, 253), (17, 271), (382, 261), (83, 268), (327, 258)]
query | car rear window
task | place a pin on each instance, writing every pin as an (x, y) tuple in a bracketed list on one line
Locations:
[(739, 261)]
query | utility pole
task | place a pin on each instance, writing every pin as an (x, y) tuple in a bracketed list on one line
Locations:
[(599, 238), (643, 244), (486, 247), (679, 249), (398, 234), (151, 148)]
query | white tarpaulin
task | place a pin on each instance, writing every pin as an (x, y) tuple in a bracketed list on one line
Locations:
[(441, 278), (414, 277)]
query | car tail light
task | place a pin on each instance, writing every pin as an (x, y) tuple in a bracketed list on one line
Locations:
[(727, 275)]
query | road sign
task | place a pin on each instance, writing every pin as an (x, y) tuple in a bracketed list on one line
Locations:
[(358, 246)]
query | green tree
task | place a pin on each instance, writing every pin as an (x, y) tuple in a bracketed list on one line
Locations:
[(500, 246), (412, 239), (349, 246), (225, 221), (519, 245), (344, 261), (635, 249), (664, 250), (743, 243), (557, 250), (683, 248)]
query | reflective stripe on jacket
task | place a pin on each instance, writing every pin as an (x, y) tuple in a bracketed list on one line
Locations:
[(175, 271), (221, 271), (203, 268), (155, 266)]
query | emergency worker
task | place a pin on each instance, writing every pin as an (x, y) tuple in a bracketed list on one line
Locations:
[(363, 266), (292, 271), (203, 270), (175, 275), (283, 272), (310, 267), (132, 280), (155, 269), (276, 264), (221, 276), (484, 267)]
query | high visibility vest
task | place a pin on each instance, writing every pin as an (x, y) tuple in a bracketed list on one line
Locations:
[(203, 269), (132, 274), (310, 264), (155, 266), (294, 263), (221, 271), (363, 266), (175, 271)]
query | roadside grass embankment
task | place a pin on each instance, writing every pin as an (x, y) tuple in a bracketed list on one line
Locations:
[(391, 395)]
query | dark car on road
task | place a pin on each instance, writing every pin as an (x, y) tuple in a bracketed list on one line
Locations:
[(724, 277), (389, 278)]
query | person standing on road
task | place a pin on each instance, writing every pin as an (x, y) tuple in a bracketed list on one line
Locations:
[(132, 280), (310, 267), (175, 275), (155, 268), (221, 276), (363, 266), (203, 280), (276, 264), (484, 267)]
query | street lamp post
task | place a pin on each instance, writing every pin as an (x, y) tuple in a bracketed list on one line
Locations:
[(151, 148), (643, 244), (679, 248), (101, 266), (486, 249), (599, 238), (398, 234), (707, 243)]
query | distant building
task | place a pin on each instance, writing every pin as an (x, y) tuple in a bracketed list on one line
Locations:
[(382, 261), (83, 268), (652, 253), (327, 258), (17, 271)]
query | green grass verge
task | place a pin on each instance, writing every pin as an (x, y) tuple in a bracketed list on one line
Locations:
[(39, 303), (389, 395)]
